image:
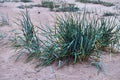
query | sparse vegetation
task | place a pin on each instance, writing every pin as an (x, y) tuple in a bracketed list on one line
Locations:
[(1, 36), (25, 6), (26, 0), (29, 6), (4, 20), (109, 14), (64, 7), (67, 8), (109, 33), (108, 4), (48, 4), (2, 1)]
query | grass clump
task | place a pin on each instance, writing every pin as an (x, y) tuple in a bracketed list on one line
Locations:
[(64, 7), (67, 8), (108, 4), (29, 6), (109, 14), (27, 40), (25, 6), (109, 34), (73, 42), (48, 4), (2, 36), (26, 0), (2, 1), (4, 20), (77, 36), (84, 1), (74, 38)]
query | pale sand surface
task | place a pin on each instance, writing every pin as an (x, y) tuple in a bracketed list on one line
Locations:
[(11, 70)]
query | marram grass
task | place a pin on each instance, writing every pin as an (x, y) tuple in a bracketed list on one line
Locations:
[(74, 38), (27, 40), (77, 36)]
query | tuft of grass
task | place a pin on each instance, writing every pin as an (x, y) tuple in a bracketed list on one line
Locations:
[(2, 35), (4, 20), (48, 4), (74, 41), (24, 6), (67, 8), (2, 1), (108, 4), (29, 6), (27, 40), (84, 1), (26, 0), (76, 37), (109, 14), (37, 5), (62, 7), (109, 33)]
